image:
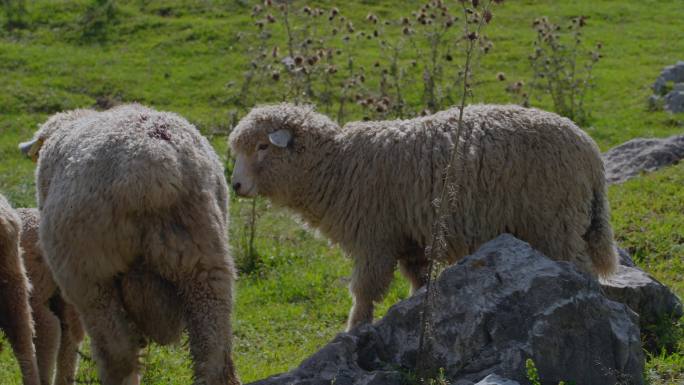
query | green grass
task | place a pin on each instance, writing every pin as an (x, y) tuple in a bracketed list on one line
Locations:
[(184, 57), (648, 216)]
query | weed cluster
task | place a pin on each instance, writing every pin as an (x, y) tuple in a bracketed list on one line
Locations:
[(15, 13), (97, 20), (562, 67), (307, 54)]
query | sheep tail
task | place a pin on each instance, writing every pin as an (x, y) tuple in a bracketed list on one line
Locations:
[(599, 236)]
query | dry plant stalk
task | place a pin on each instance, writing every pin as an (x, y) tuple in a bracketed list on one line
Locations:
[(480, 15), (557, 72), (306, 54)]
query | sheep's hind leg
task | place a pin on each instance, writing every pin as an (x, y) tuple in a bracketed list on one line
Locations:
[(72, 335), (415, 269), (369, 283), (207, 301), (115, 343), (46, 341)]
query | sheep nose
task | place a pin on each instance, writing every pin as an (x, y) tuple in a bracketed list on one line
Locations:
[(236, 186)]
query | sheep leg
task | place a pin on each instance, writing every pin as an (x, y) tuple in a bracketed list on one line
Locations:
[(207, 300), (16, 321), (72, 335), (46, 341), (115, 343), (415, 269), (370, 280)]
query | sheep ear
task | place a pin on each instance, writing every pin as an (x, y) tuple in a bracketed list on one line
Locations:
[(31, 148), (280, 138)]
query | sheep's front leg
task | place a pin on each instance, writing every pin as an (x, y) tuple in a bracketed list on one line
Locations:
[(46, 340), (207, 300), (72, 335), (370, 280), (115, 343)]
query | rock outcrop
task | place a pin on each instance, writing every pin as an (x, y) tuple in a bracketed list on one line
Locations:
[(492, 311)]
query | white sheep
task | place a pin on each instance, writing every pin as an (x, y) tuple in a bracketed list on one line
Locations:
[(59, 331), (370, 186), (15, 313), (133, 207)]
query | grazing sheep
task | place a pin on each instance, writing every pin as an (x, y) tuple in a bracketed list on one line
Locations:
[(370, 186), (59, 331), (15, 313), (133, 224)]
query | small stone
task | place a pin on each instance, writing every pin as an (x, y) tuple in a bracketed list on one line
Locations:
[(674, 101), (659, 86), (654, 102)]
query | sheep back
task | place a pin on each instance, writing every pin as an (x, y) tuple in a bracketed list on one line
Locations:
[(523, 171), (125, 184)]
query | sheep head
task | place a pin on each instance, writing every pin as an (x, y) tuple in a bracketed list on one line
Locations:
[(56, 122), (272, 147)]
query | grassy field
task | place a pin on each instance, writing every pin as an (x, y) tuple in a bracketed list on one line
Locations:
[(184, 57)]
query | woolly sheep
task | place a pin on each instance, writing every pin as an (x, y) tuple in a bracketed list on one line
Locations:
[(59, 331), (370, 186), (133, 224), (15, 313)]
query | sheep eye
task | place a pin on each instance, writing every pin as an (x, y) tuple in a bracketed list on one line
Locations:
[(262, 146)]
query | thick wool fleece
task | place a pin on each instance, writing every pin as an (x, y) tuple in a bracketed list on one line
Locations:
[(15, 313), (133, 191), (59, 331), (370, 186)]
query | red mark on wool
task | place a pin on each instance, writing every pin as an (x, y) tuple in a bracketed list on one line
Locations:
[(160, 132)]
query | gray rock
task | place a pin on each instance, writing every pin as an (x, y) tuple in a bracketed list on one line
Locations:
[(674, 101), (649, 298), (625, 258), (493, 310), (673, 73), (655, 102), (493, 379), (659, 86), (631, 158)]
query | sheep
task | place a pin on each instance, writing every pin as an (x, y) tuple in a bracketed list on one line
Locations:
[(15, 314), (133, 207), (58, 329), (371, 186)]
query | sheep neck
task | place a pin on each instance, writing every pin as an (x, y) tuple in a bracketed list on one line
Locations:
[(322, 181)]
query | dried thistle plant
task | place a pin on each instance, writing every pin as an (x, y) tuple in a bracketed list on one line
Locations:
[(307, 54), (562, 67), (476, 15), (15, 14)]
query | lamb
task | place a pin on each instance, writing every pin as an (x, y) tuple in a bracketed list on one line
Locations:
[(15, 314), (59, 331), (370, 186), (133, 207)]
